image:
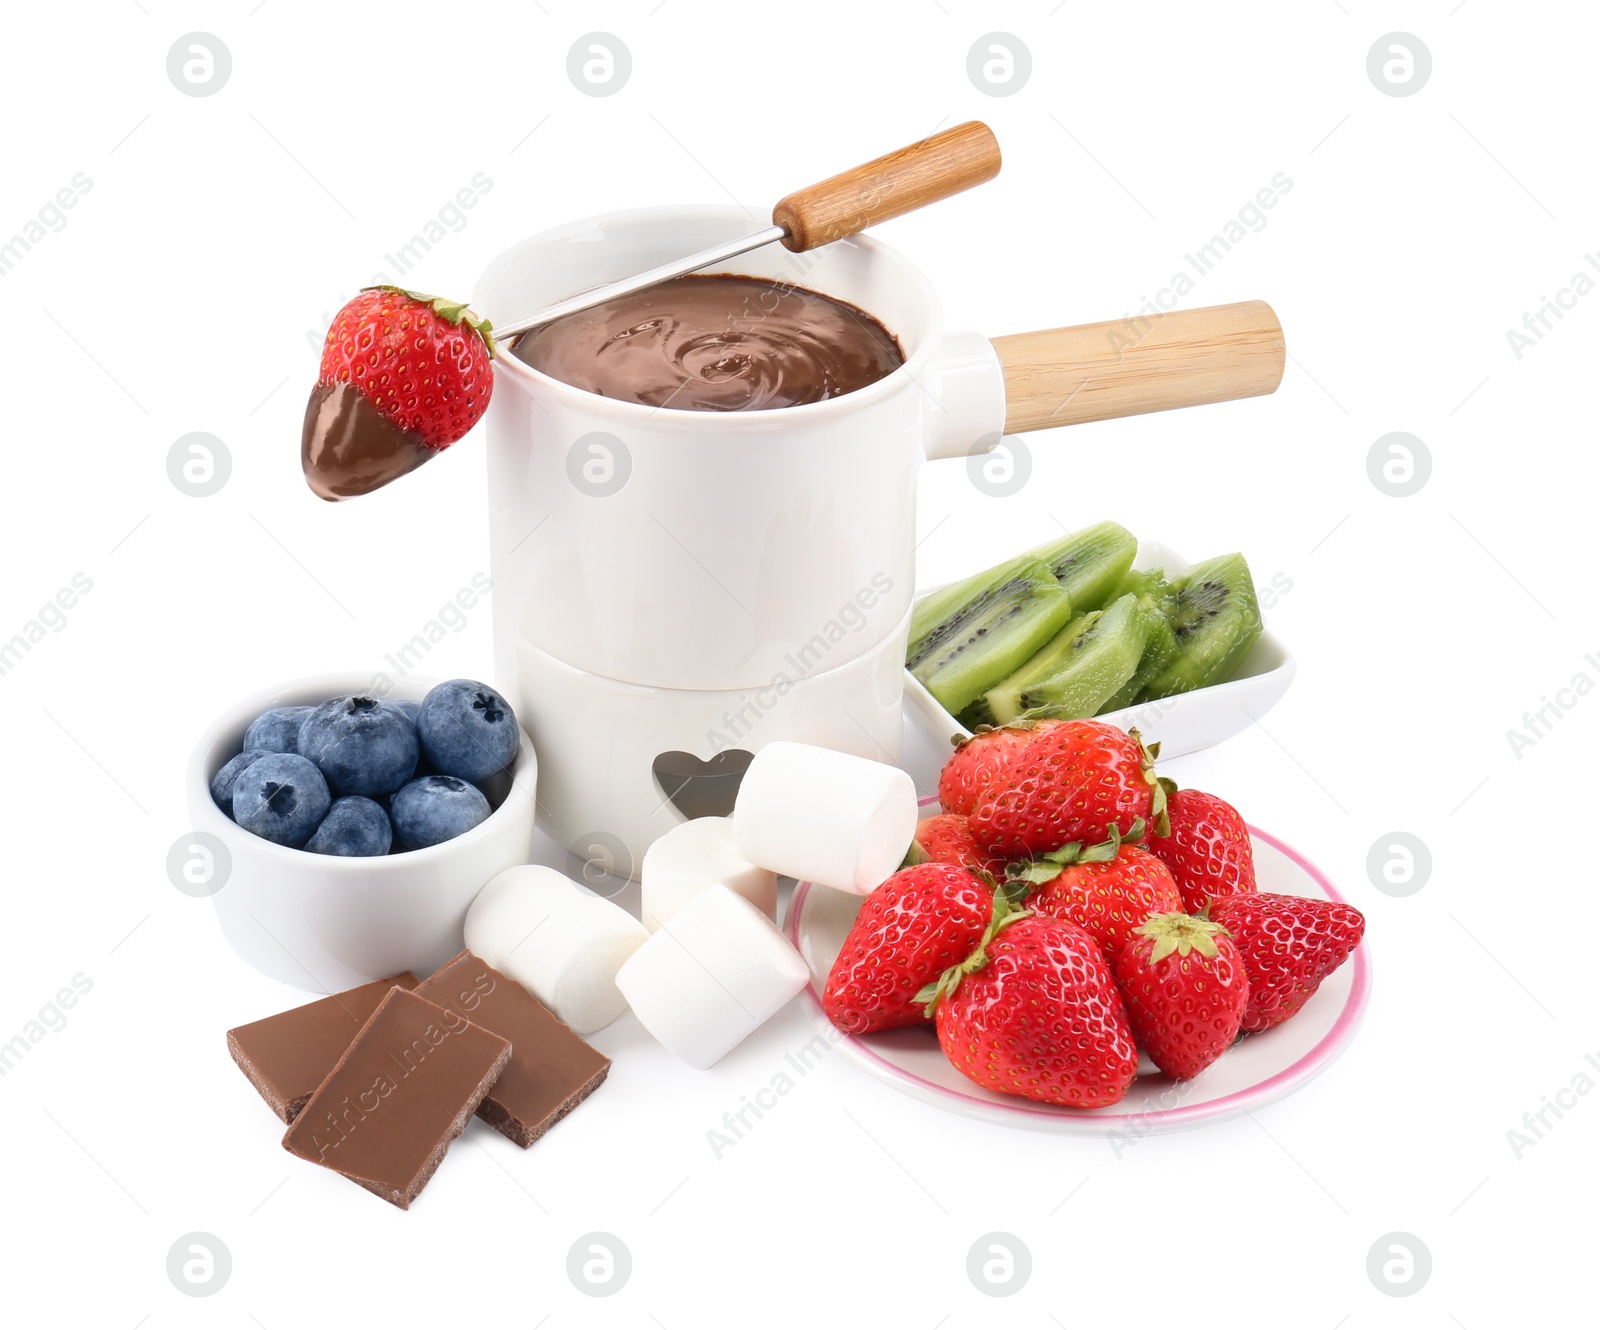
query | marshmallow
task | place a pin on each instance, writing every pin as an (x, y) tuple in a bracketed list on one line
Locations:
[(562, 943), (696, 855), (711, 975), (825, 817)]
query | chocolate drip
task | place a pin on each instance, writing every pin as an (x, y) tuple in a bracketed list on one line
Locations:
[(347, 448)]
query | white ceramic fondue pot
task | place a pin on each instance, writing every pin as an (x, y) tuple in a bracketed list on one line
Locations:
[(674, 589)]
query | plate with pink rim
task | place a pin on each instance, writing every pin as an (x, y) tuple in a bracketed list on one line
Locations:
[(1259, 1069)]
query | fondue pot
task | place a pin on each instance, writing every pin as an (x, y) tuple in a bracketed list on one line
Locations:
[(675, 589)]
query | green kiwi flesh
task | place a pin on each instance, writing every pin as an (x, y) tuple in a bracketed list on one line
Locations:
[(1216, 622), (1074, 674), (966, 643), (1158, 602), (1091, 563)]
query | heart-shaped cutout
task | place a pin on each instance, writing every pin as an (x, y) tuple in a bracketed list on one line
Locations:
[(699, 788)]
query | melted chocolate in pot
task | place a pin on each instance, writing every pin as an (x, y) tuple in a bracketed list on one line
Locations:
[(716, 344)]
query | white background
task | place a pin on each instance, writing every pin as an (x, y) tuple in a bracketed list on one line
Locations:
[(219, 231)]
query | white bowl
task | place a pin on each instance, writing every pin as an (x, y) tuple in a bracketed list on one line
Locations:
[(326, 923), (1185, 723)]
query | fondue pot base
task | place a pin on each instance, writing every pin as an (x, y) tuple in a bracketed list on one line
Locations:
[(635, 761)]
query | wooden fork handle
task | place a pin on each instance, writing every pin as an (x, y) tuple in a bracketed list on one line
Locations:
[(908, 178)]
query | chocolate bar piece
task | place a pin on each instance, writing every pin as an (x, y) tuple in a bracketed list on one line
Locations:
[(551, 1070), (401, 1093), (288, 1055)]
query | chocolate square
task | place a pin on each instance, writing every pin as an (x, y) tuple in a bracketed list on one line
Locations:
[(401, 1093), (551, 1070), (288, 1055)]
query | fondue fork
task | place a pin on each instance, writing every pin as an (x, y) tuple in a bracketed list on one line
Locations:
[(899, 182)]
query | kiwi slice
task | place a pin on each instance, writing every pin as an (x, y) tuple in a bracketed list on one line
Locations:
[(1076, 671), (1158, 602), (1216, 622), (1091, 563), (1160, 650), (969, 642), (934, 609)]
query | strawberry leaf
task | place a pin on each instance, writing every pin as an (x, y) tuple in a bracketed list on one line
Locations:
[(1158, 811), (1077, 853), (1004, 912), (1158, 787), (1035, 873), (1015, 892)]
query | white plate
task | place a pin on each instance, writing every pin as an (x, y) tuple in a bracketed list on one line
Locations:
[(1262, 1068), (1184, 724)]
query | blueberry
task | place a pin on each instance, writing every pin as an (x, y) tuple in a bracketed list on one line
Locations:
[(435, 809), (361, 745), (276, 731), (467, 730), (410, 706), (232, 769), (354, 827), (281, 797)]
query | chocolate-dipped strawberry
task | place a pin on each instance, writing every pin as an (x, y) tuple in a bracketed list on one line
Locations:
[(403, 376)]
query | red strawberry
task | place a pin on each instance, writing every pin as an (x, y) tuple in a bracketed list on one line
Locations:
[(1107, 890), (1207, 849), (947, 839), (1035, 1013), (1185, 987), (1072, 783), (982, 759), (422, 361), (1289, 945), (911, 929)]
